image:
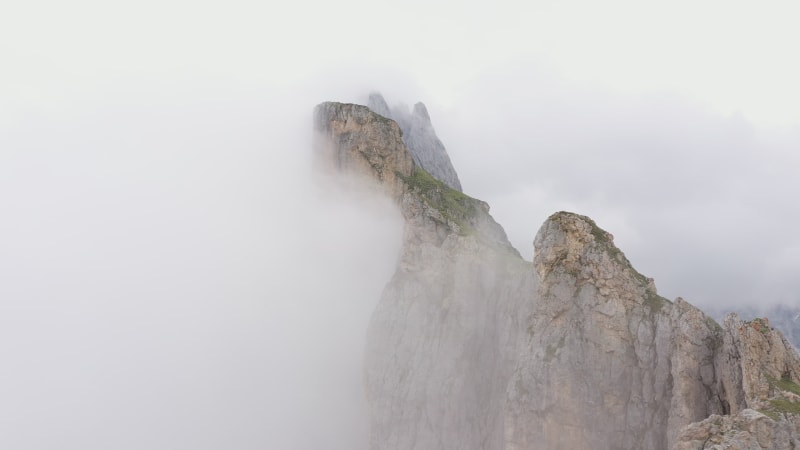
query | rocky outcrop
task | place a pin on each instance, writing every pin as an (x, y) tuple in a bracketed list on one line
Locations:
[(440, 345), (419, 136), (785, 318), (747, 430), (359, 143), (758, 373), (608, 363), (472, 347), (753, 357)]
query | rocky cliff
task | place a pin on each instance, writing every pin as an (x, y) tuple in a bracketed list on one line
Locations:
[(471, 347), (785, 318), (420, 138)]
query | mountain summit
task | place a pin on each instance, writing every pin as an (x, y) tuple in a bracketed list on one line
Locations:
[(472, 347), (420, 138)]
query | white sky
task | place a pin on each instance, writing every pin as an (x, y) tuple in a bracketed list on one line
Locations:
[(730, 55), (154, 183)]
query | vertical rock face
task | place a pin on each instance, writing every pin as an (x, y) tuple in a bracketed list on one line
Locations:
[(419, 136), (758, 374), (605, 356), (440, 343), (360, 143), (785, 318), (472, 347)]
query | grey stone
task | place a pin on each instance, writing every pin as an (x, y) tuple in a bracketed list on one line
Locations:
[(420, 138), (471, 347)]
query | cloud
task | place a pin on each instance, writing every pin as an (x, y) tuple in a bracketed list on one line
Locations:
[(171, 275), (700, 201), (175, 276)]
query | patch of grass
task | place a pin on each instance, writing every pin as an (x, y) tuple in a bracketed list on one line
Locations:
[(786, 384), (381, 118), (452, 204), (760, 325), (784, 406), (780, 406), (713, 324), (655, 302), (602, 238), (774, 415)]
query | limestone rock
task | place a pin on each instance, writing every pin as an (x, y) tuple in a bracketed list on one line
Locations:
[(785, 318), (471, 347), (758, 384), (440, 341), (420, 137), (608, 363), (747, 430)]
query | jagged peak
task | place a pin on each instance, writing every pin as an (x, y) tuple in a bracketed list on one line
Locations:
[(421, 111), (420, 137), (589, 319), (378, 104), (574, 244), (359, 140)]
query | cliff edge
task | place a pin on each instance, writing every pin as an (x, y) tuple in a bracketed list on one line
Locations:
[(472, 347), (420, 138)]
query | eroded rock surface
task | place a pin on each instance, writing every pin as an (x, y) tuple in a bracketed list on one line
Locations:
[(608, 363), (747, 430), (758, 373), (472, 347), (441, 341), (420, 138)]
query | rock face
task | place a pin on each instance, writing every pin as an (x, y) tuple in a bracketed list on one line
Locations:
[(758, 372), (747, 430), (419, 136), (472, 347), (784, 318), (606, 355)]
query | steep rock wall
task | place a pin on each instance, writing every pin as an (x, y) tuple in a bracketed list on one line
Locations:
[(472, 347), (420, 138), (608, 363)]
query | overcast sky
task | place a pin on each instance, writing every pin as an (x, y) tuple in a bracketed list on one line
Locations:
[(172, 275)]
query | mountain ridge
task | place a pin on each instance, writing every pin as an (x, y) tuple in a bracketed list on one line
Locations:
[(420, 138), (471, 346)]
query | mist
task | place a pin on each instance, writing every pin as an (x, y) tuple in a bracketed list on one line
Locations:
[(175, 275), (701, 201)]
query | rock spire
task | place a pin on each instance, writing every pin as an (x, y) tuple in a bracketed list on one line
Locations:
[(420, 138)]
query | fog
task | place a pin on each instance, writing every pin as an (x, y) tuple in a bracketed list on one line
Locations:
[(703, 202), (175, 275)]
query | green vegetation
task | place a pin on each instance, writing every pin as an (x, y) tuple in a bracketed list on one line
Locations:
[(652, 300), (774, 415), (760, 325), (713, 324), (785, 384), (781, 405), (453, 205), (655, 302), (601, 237), (382, 119)]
